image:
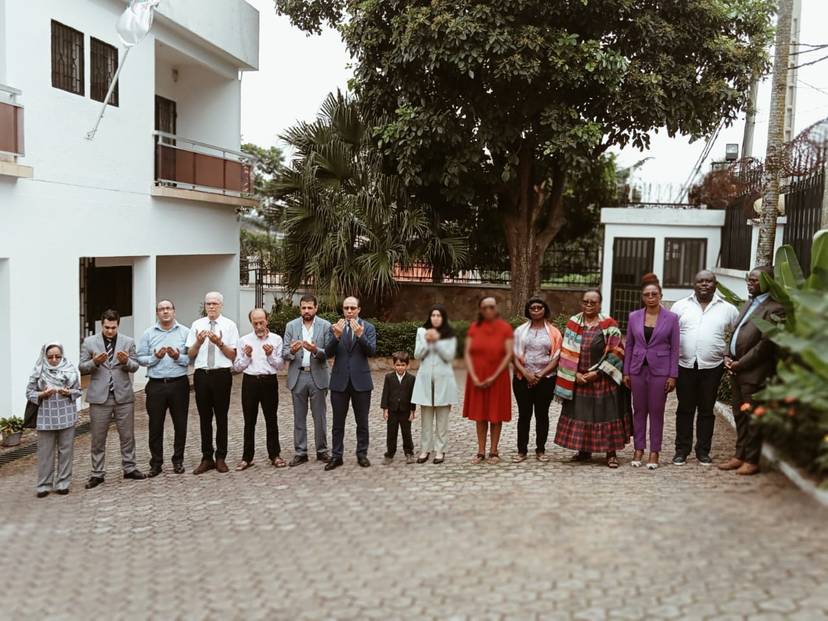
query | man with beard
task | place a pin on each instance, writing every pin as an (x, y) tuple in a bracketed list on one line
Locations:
[(704, 321), (308, 378)]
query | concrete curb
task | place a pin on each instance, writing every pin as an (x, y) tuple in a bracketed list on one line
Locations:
[(788, 469)]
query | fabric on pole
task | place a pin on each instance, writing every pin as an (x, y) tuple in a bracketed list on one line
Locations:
[(135, 23)]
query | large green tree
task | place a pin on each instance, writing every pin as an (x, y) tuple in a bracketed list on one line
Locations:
[(507, 99), (347, 224)]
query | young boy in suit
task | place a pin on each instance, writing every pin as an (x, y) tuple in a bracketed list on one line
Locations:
[(397, 408)]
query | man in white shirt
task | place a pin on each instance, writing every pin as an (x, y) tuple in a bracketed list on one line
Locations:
[(212, 348), (704, 322), (259, 357)]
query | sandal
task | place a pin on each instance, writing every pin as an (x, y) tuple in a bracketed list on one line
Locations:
[(423, 458), (439, 458), (243, 465), (278, 462), (541, 457), (612, 461), (519, 458), (494, 458), (637, 456), (479, 458)]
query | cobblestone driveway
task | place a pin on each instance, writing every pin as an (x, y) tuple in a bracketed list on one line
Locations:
[(454, 541)]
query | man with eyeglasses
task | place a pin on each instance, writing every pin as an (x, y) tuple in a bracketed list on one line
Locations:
[(212, 348), (163, 350), (704, 321), (353, 341)]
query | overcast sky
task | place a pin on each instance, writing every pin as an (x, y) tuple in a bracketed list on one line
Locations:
[(296, 72)]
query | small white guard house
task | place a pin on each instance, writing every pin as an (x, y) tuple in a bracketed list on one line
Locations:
[(673, 241), (145, 210)]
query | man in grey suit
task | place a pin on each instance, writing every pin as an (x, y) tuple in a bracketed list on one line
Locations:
[(110, 358), (308, 378)]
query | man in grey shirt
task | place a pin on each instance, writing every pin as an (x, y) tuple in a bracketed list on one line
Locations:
[(308, 378)]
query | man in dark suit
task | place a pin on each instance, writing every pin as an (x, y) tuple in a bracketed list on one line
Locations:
[(353, 341), (751, 360)]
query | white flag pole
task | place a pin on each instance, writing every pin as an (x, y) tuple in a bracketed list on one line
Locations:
[(91, 134)]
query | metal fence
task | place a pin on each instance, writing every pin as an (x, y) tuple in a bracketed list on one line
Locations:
[(803, 208), (736, 237)]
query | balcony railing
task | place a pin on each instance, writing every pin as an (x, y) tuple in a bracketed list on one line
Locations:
[(190, 164), (11, 122)]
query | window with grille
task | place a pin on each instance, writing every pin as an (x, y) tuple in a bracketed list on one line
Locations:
[(104, 66), (683, 259), (67, 59)]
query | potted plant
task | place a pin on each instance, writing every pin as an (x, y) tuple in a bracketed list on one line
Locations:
[(12, 429)]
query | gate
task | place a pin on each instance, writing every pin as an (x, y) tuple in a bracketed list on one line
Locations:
[(803, 207), (632, 257)]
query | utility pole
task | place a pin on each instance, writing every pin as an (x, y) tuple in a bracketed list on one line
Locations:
[(776, 129), (750, 120)]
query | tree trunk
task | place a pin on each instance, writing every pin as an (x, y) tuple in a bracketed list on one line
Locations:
[(776, 127), (532, 218)]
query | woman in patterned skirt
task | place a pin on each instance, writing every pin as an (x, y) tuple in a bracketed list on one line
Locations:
[(593, 417)]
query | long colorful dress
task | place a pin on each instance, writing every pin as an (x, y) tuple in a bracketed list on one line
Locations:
[(594, 417), (488, 346)]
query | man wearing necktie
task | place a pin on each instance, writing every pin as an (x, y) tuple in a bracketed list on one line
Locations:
[(353, 341), (110, 358), (212, 348), (751, 360)]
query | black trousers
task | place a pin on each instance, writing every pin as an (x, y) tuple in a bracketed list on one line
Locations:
[(260, 390), (399, 420), (537, 398), (340, 401), (696, 391), (212, 393), (163, 395), (748, 434)]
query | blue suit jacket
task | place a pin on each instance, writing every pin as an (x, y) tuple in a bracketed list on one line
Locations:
[(351, 359), (661, 353)]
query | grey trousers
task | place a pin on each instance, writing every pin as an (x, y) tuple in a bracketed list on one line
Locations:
[(434, 433), (304, 391), (99, 418), (60, 444)]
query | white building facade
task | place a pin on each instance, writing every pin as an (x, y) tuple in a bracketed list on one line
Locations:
[(148, 208)]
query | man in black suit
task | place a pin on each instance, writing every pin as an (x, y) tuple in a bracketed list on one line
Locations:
[(397, 408), (354, 340), (751, 360)]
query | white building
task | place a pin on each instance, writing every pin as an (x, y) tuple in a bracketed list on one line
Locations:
[(131, 216)]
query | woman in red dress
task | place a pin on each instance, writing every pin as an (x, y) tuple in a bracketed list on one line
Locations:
[(488, 399)]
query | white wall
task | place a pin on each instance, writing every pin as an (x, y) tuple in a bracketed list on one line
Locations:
[(186, 279), (8, 393)]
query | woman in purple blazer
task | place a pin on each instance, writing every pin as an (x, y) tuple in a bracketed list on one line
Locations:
[(650, 367)]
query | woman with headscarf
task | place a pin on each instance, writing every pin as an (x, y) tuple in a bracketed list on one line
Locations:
[(488, 400), (435, 390), (537, 349), (593, 415), (54, 386)]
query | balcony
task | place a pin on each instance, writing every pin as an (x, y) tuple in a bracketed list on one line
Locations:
[(11, 134), (192, 170)]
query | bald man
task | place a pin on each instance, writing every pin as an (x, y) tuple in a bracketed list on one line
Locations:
[(259, 358)]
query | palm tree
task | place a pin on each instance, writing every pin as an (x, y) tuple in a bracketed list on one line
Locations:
[(347, 223)]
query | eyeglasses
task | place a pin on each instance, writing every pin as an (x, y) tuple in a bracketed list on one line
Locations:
[(590, 302), (161, 309), (650, 294), (350, 307), (54, 357), (536, 307)]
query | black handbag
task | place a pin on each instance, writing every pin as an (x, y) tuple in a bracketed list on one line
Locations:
[(30, 417)]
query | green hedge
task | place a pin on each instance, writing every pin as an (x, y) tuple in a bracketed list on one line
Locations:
[(391, 336)]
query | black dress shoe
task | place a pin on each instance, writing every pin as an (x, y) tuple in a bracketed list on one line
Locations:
[(323, 457), (335, 462), (298, 459), (363, 461), (178, 468), (63, 492), (154, 471), (42, 494), (93, 482), (136, 475)]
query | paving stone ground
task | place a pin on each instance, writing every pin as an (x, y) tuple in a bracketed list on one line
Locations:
[(451, 541)]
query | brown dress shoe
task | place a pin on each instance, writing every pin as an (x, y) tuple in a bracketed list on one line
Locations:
[(221, 466), (204, 466), (731, 464), (747, 469)]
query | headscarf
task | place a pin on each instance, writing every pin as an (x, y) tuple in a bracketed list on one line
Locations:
[(445, 329), (63, 375)]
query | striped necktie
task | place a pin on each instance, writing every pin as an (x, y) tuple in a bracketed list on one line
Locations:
[(211, 348), (110, 353)]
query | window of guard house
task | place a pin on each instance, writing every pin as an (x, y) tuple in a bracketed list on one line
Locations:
[(683, 259), (67, 59), (104, 66)]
